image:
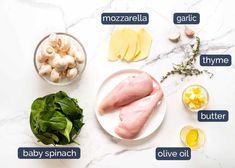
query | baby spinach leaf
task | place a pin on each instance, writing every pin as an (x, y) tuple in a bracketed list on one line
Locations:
[(67, 130), (37, 107), (63, 140), (56, 118), (78, 124), (69, 107), (57, 121), (50, 103), (60, 95), (45, 140), (48, 138)]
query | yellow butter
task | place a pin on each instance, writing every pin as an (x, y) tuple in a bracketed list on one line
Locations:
[(194, 97)]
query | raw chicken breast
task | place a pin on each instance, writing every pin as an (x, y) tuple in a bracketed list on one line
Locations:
[(127, 91), (134, 116)]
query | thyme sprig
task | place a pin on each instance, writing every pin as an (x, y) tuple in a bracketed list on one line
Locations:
[(187, 67)]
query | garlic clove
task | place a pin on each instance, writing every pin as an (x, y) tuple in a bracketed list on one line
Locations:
[(72, 73), (174, 37), (45, 69), (189, 32), (55, 76)]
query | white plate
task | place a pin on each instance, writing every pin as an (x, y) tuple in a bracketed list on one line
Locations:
[(110, 120)]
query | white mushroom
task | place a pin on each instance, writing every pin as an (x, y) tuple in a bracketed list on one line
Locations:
[(52, 39), (63, 45), (70, 61), (55, 76), (53, 61), (45, 69), (79, 57), (72, 73), (61, 64), (48, 52), (59, 58), (73, 51), (41, 58)]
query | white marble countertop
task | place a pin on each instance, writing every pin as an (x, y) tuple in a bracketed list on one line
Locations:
[(25, 22)]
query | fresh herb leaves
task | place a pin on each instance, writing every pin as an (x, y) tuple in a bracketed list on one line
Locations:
[(187, 67), (56, 118)]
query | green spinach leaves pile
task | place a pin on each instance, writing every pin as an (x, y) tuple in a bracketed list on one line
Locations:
[(56, 118)]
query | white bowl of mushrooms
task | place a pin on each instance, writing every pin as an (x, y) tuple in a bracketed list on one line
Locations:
[(60, 58)]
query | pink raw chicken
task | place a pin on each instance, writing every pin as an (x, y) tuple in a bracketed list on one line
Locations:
[(127, 91), (134, 116)]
